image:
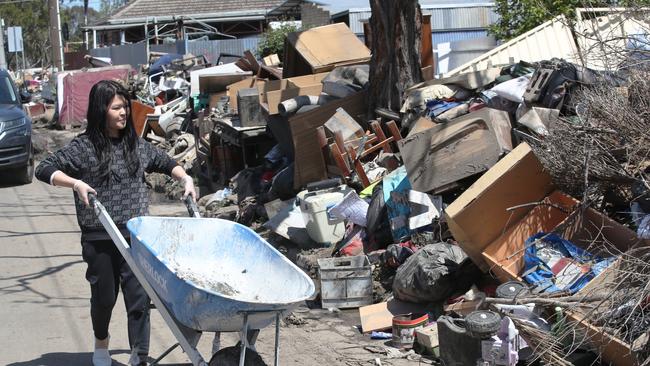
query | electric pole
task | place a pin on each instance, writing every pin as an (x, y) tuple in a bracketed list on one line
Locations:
[(3, 60), (55, 34)]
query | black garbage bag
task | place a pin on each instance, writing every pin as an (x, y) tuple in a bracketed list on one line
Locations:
[(434, 273), (378, 229)]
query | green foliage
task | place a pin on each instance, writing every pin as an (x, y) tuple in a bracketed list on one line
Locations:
[(272, 40), (520, 16), (32, 16), (108, 7)]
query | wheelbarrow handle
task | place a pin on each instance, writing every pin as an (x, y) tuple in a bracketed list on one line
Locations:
[(192, 208), (94, 203)]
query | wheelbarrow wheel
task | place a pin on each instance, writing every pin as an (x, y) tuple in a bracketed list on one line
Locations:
[(230, 357)]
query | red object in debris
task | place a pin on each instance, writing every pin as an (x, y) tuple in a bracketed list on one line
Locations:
[(160, 99), (268, 176), (476, 105)]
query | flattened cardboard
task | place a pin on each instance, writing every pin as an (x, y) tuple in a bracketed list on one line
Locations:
[(380, 316), (479, 215)]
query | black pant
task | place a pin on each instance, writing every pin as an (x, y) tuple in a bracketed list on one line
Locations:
[(107, 270)]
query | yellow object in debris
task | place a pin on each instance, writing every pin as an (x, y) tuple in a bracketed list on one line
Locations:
[(367, 192)]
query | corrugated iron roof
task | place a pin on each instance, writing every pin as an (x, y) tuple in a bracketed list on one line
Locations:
[(158, 8), (461, 16)]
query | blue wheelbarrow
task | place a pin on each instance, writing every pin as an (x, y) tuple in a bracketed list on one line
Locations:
[(209, 275)]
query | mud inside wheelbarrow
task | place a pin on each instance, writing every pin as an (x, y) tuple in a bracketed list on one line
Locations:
[(207, 271)]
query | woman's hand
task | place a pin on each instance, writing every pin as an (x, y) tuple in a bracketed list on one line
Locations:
[(188, 185), (82, 190)]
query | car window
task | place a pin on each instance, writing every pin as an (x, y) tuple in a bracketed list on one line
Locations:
[(7, 91)]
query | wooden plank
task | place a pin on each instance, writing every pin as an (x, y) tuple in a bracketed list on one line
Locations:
[(309, 162), (255, 66)]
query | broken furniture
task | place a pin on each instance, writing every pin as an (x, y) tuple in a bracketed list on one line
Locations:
[(310, 167), (235, 148), (440, 156), (321, 49), (347, 154)]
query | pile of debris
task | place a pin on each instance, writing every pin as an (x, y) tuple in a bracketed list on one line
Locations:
[(501, 216), (468, 224)]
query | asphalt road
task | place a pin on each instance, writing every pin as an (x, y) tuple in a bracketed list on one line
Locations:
[(44, 297)]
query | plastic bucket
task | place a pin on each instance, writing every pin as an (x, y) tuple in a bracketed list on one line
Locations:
[(404, 326)]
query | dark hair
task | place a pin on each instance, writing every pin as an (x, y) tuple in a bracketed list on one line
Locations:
[(101, 96)]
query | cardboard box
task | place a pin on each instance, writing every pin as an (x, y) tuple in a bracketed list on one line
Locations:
[(493, 218), (277, 91), (232, 89), (479, 216)]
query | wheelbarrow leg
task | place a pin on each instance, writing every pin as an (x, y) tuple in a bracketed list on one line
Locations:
[(244, 341), (277, 339)]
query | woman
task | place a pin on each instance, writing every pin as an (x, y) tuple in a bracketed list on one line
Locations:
[(110, 160)]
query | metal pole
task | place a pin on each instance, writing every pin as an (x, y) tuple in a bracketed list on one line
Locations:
[(244, 341), (94, 38), (85, 31), (146, 37), (277, 339), (155, 28), (55, 34), (24, 65), (3, 59)]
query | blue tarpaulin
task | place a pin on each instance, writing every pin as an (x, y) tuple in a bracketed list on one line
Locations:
[(538, 273)]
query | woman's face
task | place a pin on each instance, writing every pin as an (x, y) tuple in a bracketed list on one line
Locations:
[(116, 116)]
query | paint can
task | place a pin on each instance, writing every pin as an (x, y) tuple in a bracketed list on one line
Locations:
[(404, 326)]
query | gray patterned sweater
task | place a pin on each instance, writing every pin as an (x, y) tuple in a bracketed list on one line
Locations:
[(123, 195)]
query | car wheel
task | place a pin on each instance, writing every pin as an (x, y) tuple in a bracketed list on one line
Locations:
[(26, 173)]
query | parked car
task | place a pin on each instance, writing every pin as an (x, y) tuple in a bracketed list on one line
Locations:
[(16, 154)]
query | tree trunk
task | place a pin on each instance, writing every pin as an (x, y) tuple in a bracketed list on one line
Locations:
[(396, 32)]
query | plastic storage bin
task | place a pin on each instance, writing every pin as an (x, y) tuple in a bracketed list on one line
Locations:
[(322, 227), (345, 282)]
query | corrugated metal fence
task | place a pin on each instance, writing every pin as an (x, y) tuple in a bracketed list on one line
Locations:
[(136, 54), (212, 49)]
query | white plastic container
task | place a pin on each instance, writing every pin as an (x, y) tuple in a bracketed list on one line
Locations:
[(322, 227)]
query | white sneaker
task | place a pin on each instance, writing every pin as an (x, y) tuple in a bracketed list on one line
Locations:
[(101, 357)]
